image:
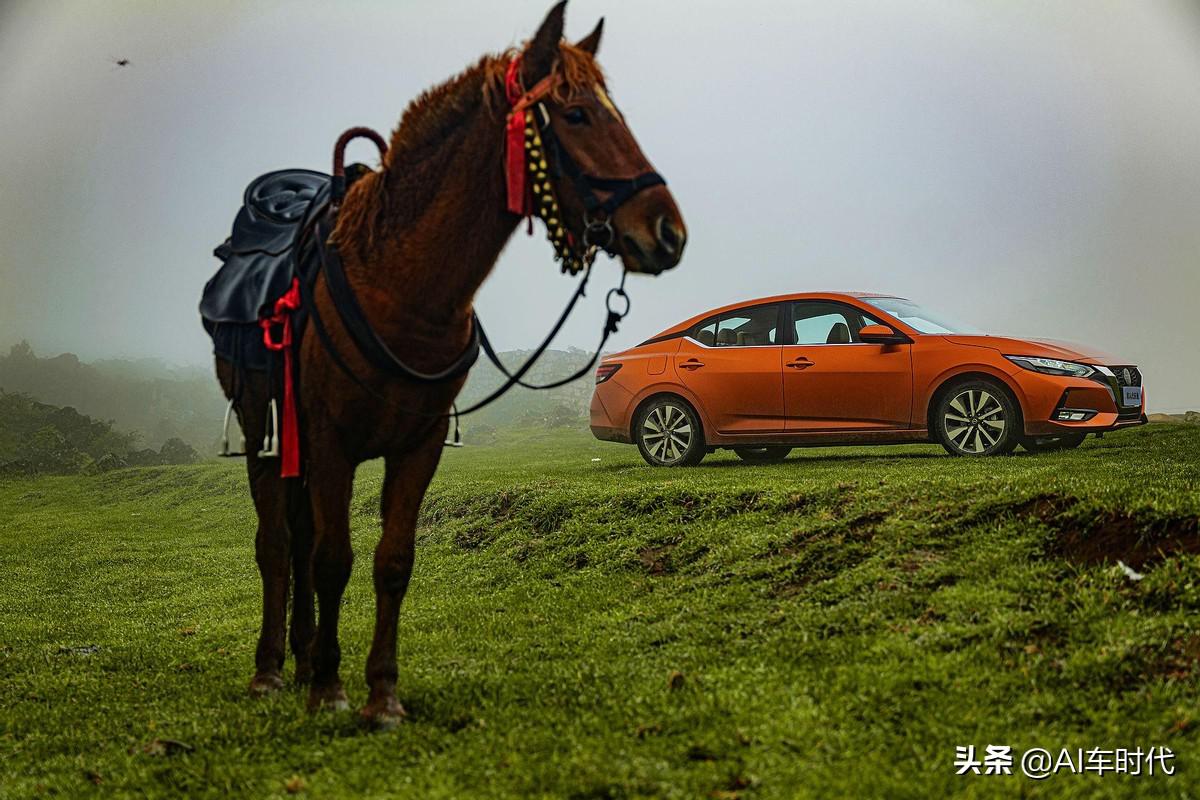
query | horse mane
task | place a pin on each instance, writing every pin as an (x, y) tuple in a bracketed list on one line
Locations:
[(437, 113)]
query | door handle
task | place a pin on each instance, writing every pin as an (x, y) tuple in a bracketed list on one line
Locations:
[(799, 363), (692, 363)]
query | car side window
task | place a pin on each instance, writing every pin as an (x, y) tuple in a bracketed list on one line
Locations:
[(747, 327), (818, 322)]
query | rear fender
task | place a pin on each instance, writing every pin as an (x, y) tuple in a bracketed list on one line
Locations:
[(668, 388)]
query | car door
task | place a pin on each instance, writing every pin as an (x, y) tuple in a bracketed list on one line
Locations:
[(833, 381), (732, 363)]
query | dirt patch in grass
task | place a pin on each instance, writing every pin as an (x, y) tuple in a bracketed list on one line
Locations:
[(475, 537), (816, 555), (1089, 537), (666, 557), (656, 559), (1086, 536), (1135, 538), (1178, 660)]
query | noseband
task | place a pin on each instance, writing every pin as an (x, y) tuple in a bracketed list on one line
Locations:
[(534, 154)]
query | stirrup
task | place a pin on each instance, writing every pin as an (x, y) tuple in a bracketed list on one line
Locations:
[(457, 440), (225, 451), (270, 448)]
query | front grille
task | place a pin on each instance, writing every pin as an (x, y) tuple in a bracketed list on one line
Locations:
[(1127, 376)]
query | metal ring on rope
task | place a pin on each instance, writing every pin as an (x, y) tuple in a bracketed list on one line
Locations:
[(597, 226)]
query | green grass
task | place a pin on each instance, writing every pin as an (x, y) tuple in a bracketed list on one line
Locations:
[(832, 626)]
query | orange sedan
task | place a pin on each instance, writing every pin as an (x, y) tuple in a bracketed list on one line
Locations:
[(830, 368)]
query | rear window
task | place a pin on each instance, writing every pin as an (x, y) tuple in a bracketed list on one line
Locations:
[(746, 327)]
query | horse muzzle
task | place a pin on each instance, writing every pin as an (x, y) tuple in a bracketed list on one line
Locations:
[(651, 235)]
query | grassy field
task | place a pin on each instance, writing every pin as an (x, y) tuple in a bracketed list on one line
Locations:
[(580, 625)]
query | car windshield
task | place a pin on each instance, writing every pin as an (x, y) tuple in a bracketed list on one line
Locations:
[(921, 319)]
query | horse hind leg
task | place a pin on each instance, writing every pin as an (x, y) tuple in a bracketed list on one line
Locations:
[(271, 545), (330, 481), (303, 619)]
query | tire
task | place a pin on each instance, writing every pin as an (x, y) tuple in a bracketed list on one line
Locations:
[(977, 418), (668, 433), (1048, 444), (768, 454)]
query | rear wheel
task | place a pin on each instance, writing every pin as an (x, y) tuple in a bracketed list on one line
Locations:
[(1048, 444), (977, 418), (768, 454), (669, 434)]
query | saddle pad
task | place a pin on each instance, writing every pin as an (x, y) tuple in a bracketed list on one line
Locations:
[(258, 255)]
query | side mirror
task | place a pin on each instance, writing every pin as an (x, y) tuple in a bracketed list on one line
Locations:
[(881, 334)]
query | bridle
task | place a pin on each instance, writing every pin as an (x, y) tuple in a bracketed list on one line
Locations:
[(533, 154)]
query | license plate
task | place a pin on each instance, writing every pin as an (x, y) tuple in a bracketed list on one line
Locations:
[(1131, 396)]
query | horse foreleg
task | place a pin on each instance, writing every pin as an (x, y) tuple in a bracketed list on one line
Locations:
[(303, 621), (330, 482), (406, 479)]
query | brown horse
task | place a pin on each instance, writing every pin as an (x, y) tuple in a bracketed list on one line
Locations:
[(417, 238)]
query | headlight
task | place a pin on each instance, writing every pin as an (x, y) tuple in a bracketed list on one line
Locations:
[(1052, 366)]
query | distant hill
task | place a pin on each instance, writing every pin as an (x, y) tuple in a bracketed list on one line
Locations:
[(565, 406), (147, 397), (158, 402), (41, 438), (1191, 417)]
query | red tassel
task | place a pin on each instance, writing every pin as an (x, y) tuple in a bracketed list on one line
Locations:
[(520, 198), (514, 157), (289, 461)]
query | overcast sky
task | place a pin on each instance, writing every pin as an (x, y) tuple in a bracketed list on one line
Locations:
[(1031, 167)]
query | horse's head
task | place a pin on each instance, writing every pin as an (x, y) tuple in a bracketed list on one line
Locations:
[(604, 190)]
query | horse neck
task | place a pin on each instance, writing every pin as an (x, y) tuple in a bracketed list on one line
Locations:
[(441, 223)]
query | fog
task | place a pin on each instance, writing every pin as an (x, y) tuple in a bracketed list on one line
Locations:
[(1031, 167)]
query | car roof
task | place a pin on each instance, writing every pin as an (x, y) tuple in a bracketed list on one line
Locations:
[(779, 298)]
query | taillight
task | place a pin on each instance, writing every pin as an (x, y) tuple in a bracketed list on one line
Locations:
[(606, 371)]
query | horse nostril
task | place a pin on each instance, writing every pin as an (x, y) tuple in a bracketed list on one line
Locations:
[(668, 236)]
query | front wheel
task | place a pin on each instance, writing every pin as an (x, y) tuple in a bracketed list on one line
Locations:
[(669, 434), (768, 454), (977, 419)]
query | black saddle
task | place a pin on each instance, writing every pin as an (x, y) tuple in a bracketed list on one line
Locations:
[(258, 256), (261, 257)]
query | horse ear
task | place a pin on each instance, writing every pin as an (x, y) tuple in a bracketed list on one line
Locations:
[(591, 42), (543, 47)]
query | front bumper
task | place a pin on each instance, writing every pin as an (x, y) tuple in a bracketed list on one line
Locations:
[(1098, 397)]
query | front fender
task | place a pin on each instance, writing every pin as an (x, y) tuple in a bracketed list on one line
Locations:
[(957, 372)]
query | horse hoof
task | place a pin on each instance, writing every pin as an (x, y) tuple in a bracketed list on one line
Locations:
[(328, 698), (383, 714), (265, 683)]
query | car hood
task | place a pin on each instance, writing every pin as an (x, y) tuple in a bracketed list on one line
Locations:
[(1043, 348)]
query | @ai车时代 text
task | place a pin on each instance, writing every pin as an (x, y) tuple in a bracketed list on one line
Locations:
[(1040, 763)]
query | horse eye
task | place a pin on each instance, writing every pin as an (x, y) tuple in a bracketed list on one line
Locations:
[(575, 116)]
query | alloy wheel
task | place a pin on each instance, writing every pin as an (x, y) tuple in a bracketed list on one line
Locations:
[(667, 433), (975, 421)]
